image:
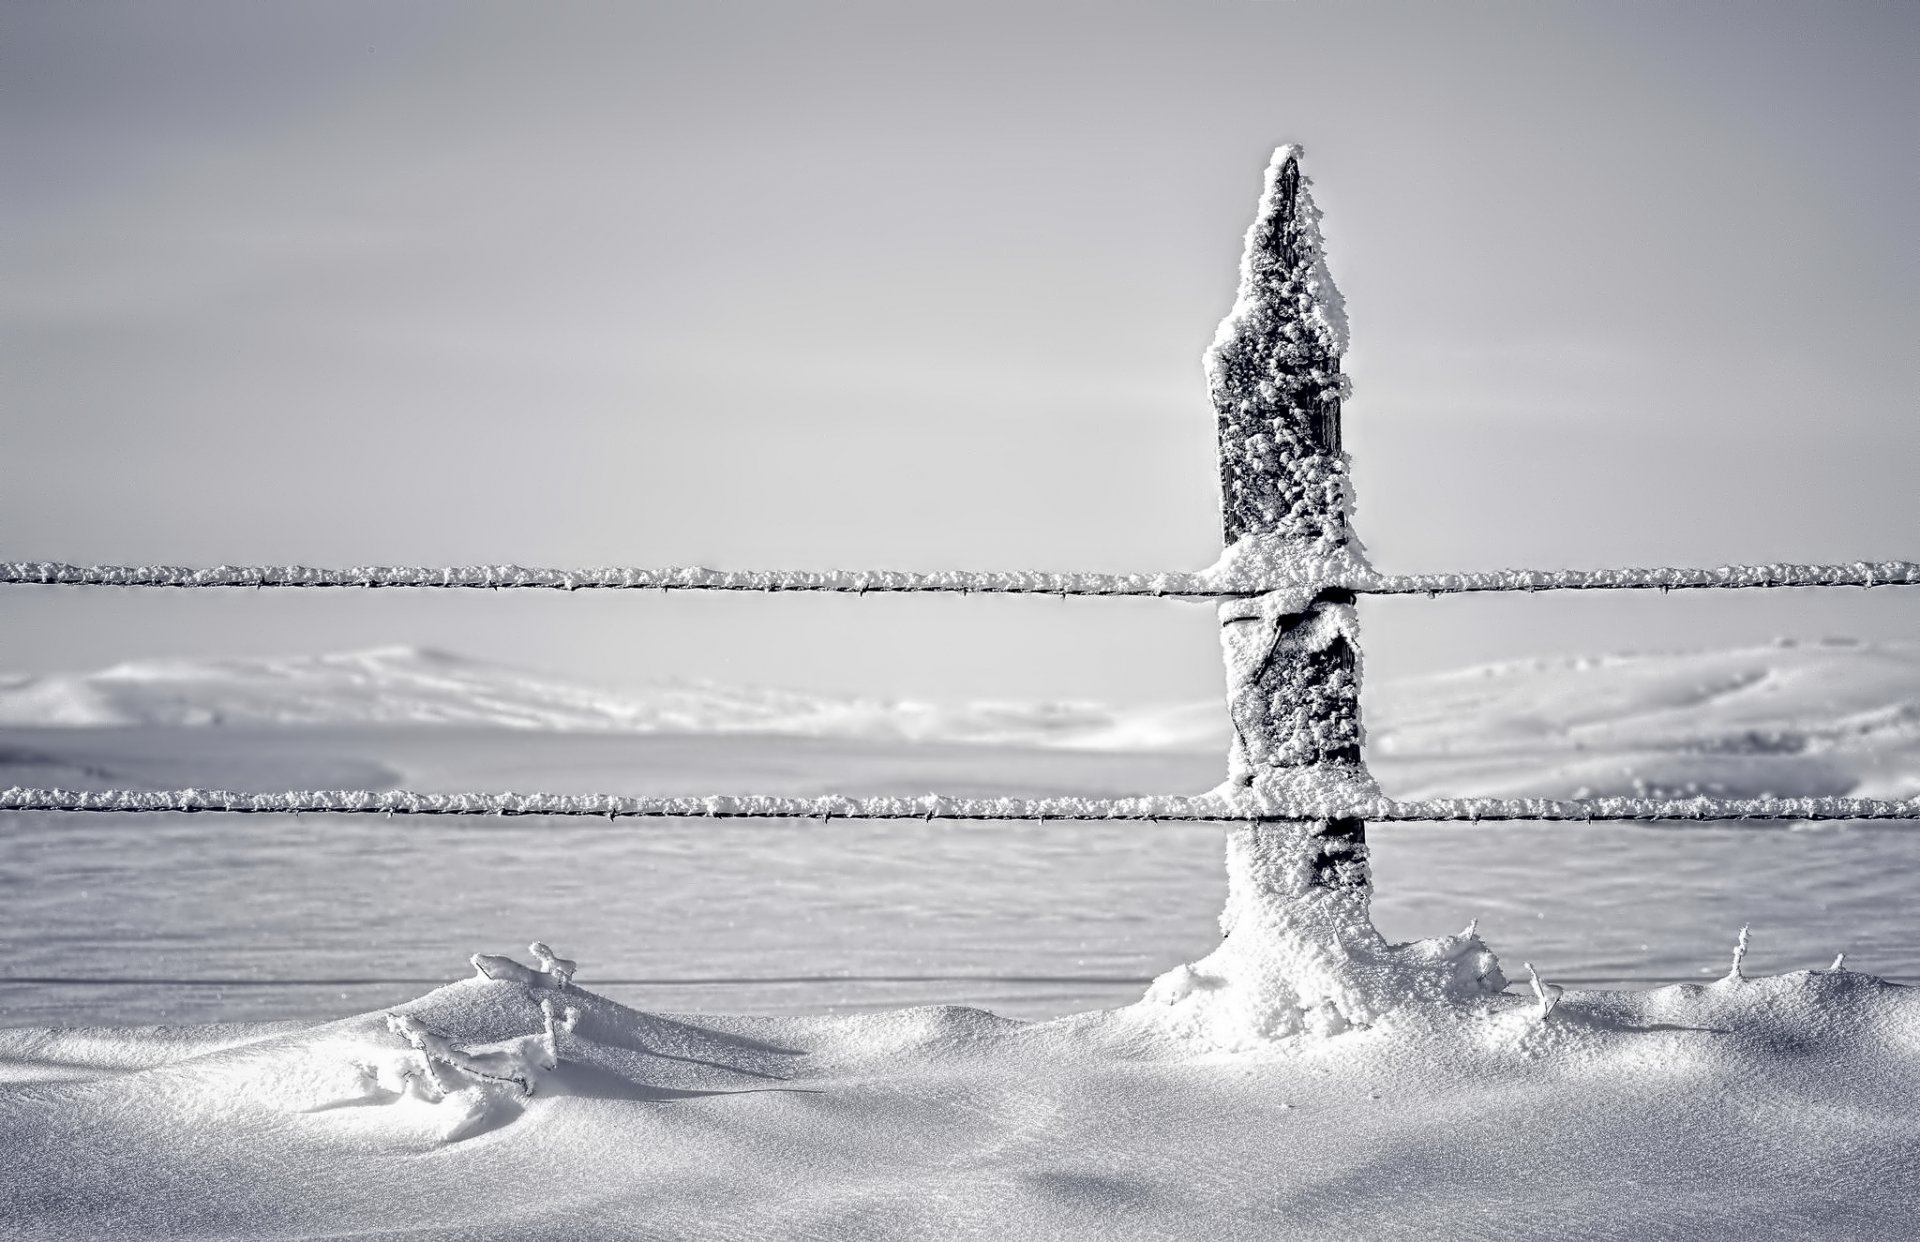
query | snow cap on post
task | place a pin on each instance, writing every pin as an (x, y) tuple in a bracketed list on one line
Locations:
[(1274, 373)]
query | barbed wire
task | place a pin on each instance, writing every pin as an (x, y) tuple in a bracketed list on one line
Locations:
[(1240, 808), (1203, 584)]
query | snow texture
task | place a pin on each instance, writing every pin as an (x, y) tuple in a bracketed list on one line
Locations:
[(1274, 373), (479, 1087), (1376, 1091), (437, 1050), (1314, 794), (1548, 994), (1326, 570)]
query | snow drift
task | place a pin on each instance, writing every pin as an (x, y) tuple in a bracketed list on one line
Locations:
[(533, 1108)]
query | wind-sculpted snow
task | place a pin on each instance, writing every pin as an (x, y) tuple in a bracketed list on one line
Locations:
[(1341, 798), (1231, 577), (1307, 1079)]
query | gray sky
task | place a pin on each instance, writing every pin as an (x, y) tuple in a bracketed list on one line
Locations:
[(919, 286)]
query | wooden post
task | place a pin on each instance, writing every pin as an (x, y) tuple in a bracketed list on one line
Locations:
[(1300, 953), (1293, 689)]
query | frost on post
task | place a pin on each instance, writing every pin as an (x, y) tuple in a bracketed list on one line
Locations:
[(1300, 955), (1293, 690), (1274, 371)]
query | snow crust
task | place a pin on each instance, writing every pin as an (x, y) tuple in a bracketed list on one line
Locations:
[(1408, 1099)]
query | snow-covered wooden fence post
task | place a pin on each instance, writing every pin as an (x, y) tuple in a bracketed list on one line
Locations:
[(1292, 669)]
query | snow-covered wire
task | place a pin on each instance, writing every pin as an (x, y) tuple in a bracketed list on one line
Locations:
[(1856, 574), (1344, 575), (670, 578), (1242, 807)]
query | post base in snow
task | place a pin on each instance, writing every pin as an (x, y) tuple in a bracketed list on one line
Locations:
[(1301, 955)]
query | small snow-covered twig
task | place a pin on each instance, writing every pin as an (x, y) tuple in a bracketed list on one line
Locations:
[(557, 1019), (501, 968), (1739, 954), (560, 968), (1547, 994), (554, 972), (430, 1044), (437, 1049), (416, 1033)]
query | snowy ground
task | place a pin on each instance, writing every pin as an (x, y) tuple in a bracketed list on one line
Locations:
[(1771, 1107), (1764, 1108)]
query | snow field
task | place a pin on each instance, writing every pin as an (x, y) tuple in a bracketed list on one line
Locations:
[(1758, 1107)]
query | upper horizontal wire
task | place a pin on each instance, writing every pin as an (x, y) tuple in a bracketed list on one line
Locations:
[(1202, 584), (1239, 808)]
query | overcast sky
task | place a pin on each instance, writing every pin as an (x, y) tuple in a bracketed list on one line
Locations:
[(923, 286)]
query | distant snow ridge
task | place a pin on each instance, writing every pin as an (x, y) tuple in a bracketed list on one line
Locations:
[(1800, 720), (1792, 719), (421, 686)]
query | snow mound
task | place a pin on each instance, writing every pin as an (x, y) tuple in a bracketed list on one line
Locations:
[(1761, 1108), (1300, 957)]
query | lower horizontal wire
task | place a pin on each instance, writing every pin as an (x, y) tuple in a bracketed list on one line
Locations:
[(1204, 584), (1246, 807), (130, 981), (696, 981)]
